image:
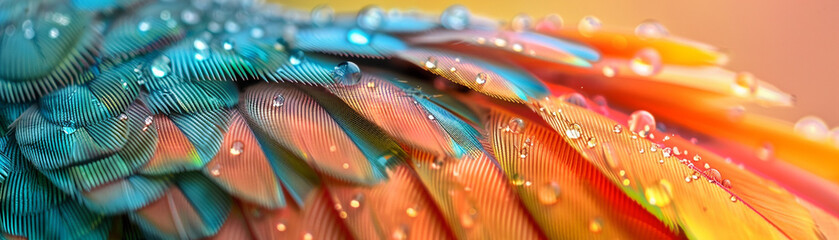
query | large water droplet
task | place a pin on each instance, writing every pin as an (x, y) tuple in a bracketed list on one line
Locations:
[(358, 37), (322, 15), (811, 127), (713, 175), (455, 17), (521, 22), (641, 122), (574, 131), (370, 18), (161, 66), (237, 148), (346, 73), (646, 62), (515, 125), (651, 29), (588, 25), (549, 193), (659, 194)]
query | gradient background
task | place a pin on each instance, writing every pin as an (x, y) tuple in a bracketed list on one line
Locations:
[(791, 44)]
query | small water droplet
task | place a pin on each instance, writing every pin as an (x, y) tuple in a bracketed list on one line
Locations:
[(765, 152), (356, 201), (231, 26), (430, 117), (296, 57), (358, 37), (216, 170), (659, 194), (411, 212), (370, 18), (609, 71), (54, 33), (500, 42), (123, 117), (617, 128), (68, 129), (646, 62), (237, 148), (322, 15), (726, 183), (592, 142), (744, 84), (696, 158), (346, 73), (521, 22), (281, 227), (595, 225), (517, 179), (147, 122), (455, 17), (161, 66), (278, 101), (517, 47), (661, 161), (651, 29), (431, 63), (687, 179), (733, 198), (190, 17), (548, 193), (228, 45), (588, 25), (573, 131), (812, 127), (143, 26), (481, 78), (307, 236)]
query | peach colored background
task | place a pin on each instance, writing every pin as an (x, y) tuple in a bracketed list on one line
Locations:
[(791, 44)]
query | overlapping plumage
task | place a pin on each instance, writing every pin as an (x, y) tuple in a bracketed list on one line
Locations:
[(235, 120)]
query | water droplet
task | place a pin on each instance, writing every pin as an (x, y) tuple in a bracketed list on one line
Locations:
[(123, 117), (237, 148), (687, 179), (500, 42), (744, 84), (356, 201), (161, 66), (592, 142), (576, 99), (549, 193), (147, 122), (190, 17), (307, 236), (54, 33), (257, 32), (281, 227), (515, 125), (371, 84), (278, 101), (611, 157), (521, 22), (296, 57), (455, 17), (713, 175), (696, 158), (400, 233), (651, 29), (69, 129), (517, 47), (370, 18), (609, 71), (227, 45), (811, 127), (517, 179), (726, 183), (659, 194), (411, 212), (346, 73), (588, 25), (573, 131), (467, 220), (765, 151), (661, 161), (430, 117), (646, 62), (231, 26), (481, 78), (322, 15), (617, 129), (595, 225), (143, 26), (216, 171), (733, 198), (431, 63), (551, 22), (358, 37)]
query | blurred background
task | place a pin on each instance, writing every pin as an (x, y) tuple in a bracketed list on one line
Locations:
[(791, 44)]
